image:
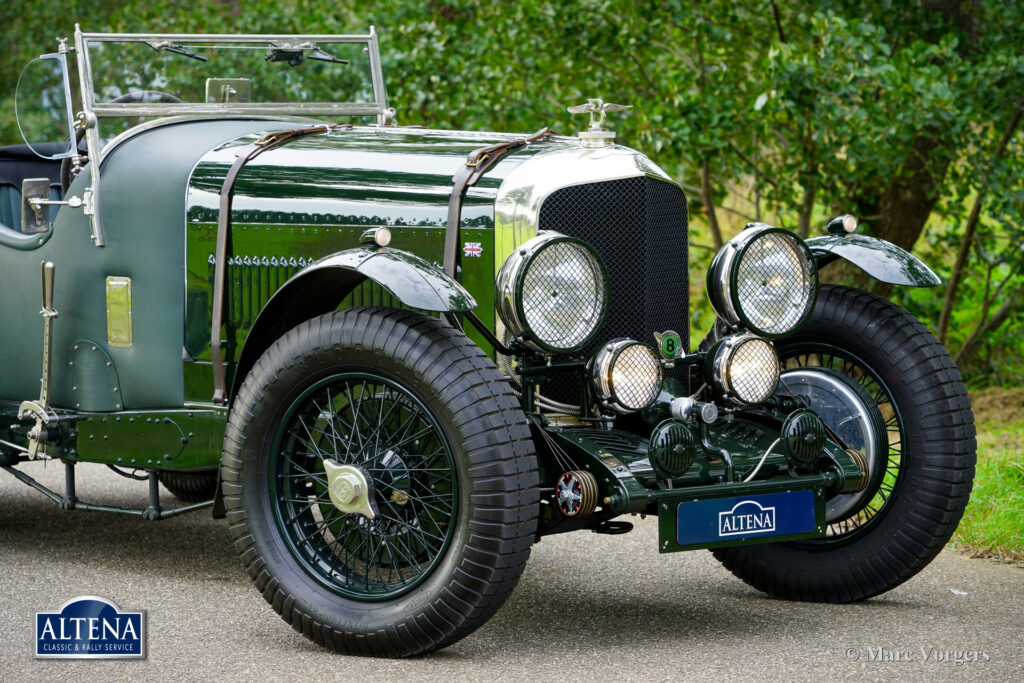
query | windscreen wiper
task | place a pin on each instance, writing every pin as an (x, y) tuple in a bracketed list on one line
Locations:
[(168, 46), (294, 53), (321, 55)]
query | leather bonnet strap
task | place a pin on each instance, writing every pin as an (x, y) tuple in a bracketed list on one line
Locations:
[(477, 163), (265, 142)]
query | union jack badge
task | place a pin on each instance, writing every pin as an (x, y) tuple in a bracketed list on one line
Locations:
[(473, 250)]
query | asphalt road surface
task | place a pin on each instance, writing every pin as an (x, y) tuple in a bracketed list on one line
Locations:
[(588, 607)]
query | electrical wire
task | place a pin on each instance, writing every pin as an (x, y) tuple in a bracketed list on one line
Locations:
[(128, 475), (543, 402), (763, 458)]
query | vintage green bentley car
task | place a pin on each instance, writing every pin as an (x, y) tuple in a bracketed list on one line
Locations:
[(394, 358)]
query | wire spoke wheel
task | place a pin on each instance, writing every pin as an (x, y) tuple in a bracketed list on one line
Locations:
[(859, 356), (380, 482), (377, 425), (884, 480)]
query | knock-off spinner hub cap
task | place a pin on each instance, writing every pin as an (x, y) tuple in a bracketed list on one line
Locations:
[(348, 488)]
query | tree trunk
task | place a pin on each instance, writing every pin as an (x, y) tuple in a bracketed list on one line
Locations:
[(709, 204), (949, 300), (904, 206), (965, 356), (807, 206)]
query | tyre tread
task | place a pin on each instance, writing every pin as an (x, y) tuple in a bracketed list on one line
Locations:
[(502, 467), (941, 472)]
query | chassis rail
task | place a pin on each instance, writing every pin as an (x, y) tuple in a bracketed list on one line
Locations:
[(69, 500)]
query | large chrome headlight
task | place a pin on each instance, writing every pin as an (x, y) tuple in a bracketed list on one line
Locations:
[(552, 293), (626, 375), (744, 368), (764, 278)]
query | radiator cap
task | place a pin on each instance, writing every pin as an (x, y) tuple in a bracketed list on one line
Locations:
[(596, 136)]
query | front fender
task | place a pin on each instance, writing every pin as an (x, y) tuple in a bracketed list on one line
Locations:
[(320, 288), (410, 279), (882, 260)]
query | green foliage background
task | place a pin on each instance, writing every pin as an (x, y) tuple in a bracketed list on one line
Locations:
[(904, 113)]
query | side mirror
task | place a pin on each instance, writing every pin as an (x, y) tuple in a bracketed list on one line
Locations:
[(42, 106), (35, 216)]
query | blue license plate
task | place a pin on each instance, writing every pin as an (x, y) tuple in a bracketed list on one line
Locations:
[(721, 520)]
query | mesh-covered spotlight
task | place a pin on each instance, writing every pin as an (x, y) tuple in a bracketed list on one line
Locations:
[(744, 368), (626, 375), (552, 293), (765, 279)]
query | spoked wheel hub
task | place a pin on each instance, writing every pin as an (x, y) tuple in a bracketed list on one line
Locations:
[(349, 488), (353, 490), (380, 482), (365, 485)]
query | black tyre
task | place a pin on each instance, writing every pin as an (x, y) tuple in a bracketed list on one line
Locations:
[(415, 411), (928, 454), (191, 487)]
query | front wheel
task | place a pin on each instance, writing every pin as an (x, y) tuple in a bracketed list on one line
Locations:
[(380, 482), (920, 473)]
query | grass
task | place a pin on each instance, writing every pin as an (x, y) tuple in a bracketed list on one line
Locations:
[(993, 525)]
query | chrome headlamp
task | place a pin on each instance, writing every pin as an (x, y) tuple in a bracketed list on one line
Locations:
[(626, 375), (764, 278), (744, 368), (552, 293)]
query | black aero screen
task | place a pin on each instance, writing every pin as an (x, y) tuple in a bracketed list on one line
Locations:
[(639, 226)]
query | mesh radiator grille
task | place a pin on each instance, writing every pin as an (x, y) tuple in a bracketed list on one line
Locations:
[(639, 226)]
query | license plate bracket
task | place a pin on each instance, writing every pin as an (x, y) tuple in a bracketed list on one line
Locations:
[(689, 523)]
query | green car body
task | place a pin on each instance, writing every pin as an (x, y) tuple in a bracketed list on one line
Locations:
[(292, 207), (146, 251)]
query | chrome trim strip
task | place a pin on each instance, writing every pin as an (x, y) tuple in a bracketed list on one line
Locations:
[(236, 108), (229, 37)]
